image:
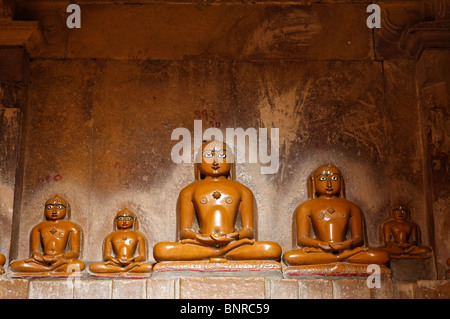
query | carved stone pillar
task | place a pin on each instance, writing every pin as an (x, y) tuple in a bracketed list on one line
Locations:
[(414, 42), (13, 79), (17, 39), (433, 75)]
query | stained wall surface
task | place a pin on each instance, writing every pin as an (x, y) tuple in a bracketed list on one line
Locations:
[(104, 100)]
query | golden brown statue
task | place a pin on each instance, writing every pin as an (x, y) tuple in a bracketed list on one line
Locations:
[(330, 216), (401, 235), (2, 262), (59, 240), (120, 247), (215, 199)]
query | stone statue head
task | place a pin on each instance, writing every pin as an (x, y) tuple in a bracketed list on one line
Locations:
[(216, 160), (400, 212), (126, 219), (327, 180), (56, 208)]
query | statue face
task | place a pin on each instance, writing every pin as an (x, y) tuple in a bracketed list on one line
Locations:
[(400, 213), (55, 211), (124, 220), (327, 180), (215, 160)]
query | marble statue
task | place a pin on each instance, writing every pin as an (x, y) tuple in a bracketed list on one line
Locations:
[(124, 249), (55, 242), (215, 199), (336, 223), (401, 235)]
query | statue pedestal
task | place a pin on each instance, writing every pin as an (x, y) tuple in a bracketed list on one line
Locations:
[(223, 268), (412, 269), (333, 270), (45, 274), (121, 275)]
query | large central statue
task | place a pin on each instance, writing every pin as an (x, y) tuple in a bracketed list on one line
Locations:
[(215, 199), (336, 224)]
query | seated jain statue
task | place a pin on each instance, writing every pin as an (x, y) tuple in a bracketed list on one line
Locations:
[(55, 242), (401, 235), (337, 225), (2, 262), (215, 200), (124, 249)]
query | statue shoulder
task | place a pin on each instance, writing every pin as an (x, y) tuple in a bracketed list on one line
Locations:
[(189, 189), (305, 205), (73, 226), (244, 189)]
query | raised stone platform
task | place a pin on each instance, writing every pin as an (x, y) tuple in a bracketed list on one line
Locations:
[(218, 287), (218, 268)]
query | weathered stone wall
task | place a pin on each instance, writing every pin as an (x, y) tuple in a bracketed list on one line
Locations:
[(103, 101), (13, 86)]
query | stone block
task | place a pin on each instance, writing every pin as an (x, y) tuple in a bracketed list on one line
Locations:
[(351, 289), (433, 289), (163, 288), (129, 289), (281, 288), (385, 291), (12, 64), (51, 289), (405, 290), (234, 30), (13, 288), (315, 289), (92, 289), (222, 288), (411, 270)]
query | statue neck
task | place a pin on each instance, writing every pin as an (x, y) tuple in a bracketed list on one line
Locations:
[(215, 178)]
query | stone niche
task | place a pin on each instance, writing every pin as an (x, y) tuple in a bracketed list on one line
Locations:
[(97, 106)]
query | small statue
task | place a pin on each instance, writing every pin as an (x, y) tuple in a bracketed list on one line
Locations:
[(119, 252), (330, 216), (215, 199), (401, 235), (53, 236), (2, 262)]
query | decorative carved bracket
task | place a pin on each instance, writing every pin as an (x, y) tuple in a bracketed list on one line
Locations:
[(25, 34), (413, 26)]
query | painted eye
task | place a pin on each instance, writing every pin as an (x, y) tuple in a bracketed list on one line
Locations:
[(222, 155), (323, 178), (59, 207), (207, 155), (129, 218), (334, 178), (50, 206)]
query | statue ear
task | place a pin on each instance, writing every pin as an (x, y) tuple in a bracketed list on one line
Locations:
[(198, 174), (232, 171), (342, 193), (136, 223), (313, 187)]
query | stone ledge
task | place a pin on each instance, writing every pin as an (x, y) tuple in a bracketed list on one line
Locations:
[(218, 287)]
